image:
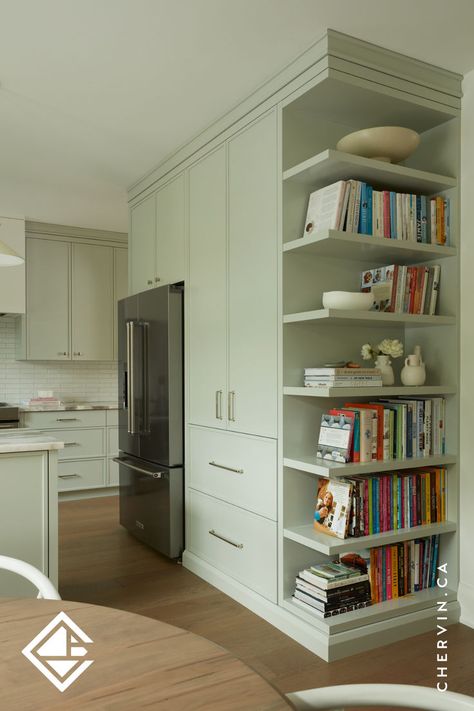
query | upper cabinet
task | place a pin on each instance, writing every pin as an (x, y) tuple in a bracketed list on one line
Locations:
[(12, 283), (232, 287), (71, 292), (157, 237)]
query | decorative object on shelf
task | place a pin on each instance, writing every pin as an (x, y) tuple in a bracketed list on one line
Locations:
[(335, 436), (389, 347), (333, 507), (348, 300), (390, 144), (414, 370)]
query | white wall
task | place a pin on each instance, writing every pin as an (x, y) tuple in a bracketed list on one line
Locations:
[(19, 380), (466, 588)]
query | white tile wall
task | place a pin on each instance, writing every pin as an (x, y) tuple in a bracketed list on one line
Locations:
[(20, 380)]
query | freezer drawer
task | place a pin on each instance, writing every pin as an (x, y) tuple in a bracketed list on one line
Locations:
[(151, 504)]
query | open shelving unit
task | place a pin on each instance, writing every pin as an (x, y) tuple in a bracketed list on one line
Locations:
[(313, 120)]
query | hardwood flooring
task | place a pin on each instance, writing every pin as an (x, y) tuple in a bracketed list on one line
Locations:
[(101, 563)]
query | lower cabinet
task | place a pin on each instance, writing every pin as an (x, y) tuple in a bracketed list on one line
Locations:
[(235, 541), (81, 474)]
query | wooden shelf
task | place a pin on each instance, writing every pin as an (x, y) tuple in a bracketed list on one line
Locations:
[(307, 536), (327, 469), (329, 166), (341, 317), (354, 246), (383, 391), (375, 613)]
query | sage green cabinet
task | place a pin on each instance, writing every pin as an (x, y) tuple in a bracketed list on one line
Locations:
[(92, 302), (232, 286), (28, 517), (120, 286), (157, 237)]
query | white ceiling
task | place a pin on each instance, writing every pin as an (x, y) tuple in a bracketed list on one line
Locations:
[(94, 93)]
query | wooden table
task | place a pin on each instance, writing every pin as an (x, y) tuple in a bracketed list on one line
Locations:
[(138, 663)]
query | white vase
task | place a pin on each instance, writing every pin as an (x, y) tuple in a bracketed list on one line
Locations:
[(414, 371), (383, 363)]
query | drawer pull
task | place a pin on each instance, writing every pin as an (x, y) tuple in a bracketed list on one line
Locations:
[(226, 540), (71, 444), (229, 469), (67, 419), (68, 476)]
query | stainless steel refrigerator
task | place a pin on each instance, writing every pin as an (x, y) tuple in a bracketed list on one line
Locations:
[(150, 352)]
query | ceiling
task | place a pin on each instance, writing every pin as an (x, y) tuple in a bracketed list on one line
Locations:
[(95, 93)]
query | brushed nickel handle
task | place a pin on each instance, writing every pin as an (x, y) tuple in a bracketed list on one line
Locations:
[(149, 282), (223, 466), (78, 353), (226, 540), (63, 353), (218, 404), (69, 476), (71, 444), (157, 279), (67, 419), (155, 475), (231, 406)]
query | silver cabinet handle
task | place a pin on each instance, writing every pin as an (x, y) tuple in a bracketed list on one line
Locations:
[(231, 406), (223, 466), (71, 444), (78, 353), (157, 279), (69, 476), (63, 353), (218, 404), (155, 475), (149, 282), (67, 419), (226, 540)]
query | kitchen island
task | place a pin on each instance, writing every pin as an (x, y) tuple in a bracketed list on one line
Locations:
[(28, 506)]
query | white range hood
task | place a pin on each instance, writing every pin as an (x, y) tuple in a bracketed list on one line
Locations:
[(12, 278)]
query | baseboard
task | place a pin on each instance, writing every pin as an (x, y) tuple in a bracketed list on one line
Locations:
[(466, 599), (88, 494), (329, 647)]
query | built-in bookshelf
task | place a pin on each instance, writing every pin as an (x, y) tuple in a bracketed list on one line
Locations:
[(312, 335)]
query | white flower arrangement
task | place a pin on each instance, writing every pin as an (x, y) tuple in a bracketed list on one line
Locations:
[(389, 346)]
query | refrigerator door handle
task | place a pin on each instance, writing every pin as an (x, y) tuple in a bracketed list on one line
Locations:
[(146, 408), (130, 378), (155, 475)]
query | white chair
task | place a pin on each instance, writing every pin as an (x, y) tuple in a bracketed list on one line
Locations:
[(45, 587), (403, 695)]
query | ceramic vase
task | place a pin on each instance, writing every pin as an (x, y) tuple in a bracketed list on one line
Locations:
[(414, 371), (383, 363)]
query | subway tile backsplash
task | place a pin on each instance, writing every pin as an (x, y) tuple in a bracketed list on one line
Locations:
[(20, 380)]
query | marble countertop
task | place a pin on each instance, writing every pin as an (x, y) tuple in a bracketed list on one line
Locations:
[(68, 406), (25, 440)]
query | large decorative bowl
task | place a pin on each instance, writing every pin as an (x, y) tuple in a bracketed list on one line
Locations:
[(348, 300), (391, 144)]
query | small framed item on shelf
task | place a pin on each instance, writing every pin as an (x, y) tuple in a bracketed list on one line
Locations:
[(335, 436), (333, 507)]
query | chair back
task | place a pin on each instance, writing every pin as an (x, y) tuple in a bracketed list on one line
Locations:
[(44, 586)]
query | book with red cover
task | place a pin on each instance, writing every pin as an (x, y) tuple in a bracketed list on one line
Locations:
[(386, 213), (379, 410)]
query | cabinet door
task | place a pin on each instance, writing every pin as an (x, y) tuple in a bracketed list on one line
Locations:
[(12, 283), (120, 287), (206, 290), (253, 306), (170, 214), (47, 299), (92, 302), (142, 245)]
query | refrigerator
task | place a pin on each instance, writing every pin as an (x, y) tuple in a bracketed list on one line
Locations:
[(150, 360)]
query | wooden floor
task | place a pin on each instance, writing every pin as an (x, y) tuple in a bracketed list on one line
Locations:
[(101, 563)]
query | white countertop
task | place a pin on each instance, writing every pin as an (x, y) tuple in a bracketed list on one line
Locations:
[(72, 406), (25, 440)]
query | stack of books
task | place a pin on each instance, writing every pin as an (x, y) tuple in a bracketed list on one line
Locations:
[(331, 589), (354, 206), (391, 428), (400, 289), (403, 568), (342, 377), (389, 502)]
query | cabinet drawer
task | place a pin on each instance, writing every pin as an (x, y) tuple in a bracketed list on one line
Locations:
[(237, 542), (86, 474), (113, 478), (237, 468), (112, 418), (112, 441), (63, 419), (81, 443)]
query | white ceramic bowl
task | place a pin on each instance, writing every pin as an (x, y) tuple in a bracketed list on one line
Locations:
[(388, 143), (348, 300)]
